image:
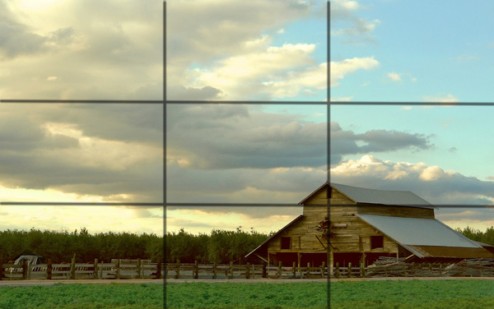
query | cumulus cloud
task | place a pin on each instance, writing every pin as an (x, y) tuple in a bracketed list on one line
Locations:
[(110, 151), (339, 69), (436, 185), (241, 63), (267, 72), (113, 50)]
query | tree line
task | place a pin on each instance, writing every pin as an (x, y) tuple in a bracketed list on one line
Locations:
[(486, 236), (219, 246), (61, 246)]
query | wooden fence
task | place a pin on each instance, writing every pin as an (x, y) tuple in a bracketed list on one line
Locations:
[(384, 267), (117, 269), (247, 271)]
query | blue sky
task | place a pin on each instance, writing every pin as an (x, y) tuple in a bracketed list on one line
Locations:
[(438, 48), (383, 51)]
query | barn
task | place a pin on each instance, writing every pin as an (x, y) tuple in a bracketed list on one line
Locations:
[(346, 224)]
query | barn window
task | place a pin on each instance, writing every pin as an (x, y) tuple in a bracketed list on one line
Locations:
[(377, 242), (286, 243)]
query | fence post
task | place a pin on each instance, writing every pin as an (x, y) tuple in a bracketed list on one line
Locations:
[(264, 270), (158, 270), (49, 269), (95, 269), (101, 271), (196, 269), (214, 270), (247, 272), (349, 269), (362, 269), (278, 274), (118, 269), (230, 270), (294, 269), (337, 271), (72, 267), (307, 270), (177, 270), (322, 269), (139, 269), (24, 269)]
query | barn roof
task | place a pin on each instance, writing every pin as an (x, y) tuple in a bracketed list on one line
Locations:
[(373, 196), (426, 237)]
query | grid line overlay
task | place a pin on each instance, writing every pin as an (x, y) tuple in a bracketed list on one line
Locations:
[(165, 102)]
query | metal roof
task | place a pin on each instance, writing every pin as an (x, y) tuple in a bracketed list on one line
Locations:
[(419, 231), (383, 197)]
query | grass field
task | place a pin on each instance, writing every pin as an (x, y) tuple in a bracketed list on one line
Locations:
[(403, 294), (83, 296), (306, 295), (449, 294)]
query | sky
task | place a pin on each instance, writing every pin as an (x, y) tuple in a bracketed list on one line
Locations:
[(385, 51)]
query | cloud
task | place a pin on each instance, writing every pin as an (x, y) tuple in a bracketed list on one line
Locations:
[(247, 138), (111, 151), (239, 136), (84, 48), (344, 142), (433, 183), (17, 38), (243, 185), (273, 71), (339, 69), (394, 76), (241, 62), (357, 29)]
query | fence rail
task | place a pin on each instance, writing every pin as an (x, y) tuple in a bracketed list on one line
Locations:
[(117, 269)]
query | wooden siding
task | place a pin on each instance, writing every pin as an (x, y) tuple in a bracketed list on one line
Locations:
[(303, 238)]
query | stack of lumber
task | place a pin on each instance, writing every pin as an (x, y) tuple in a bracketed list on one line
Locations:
[(388, 267), (471, 268)]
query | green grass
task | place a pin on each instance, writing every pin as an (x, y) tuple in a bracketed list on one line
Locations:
[(83, 296), (449, 294), (307, 295)]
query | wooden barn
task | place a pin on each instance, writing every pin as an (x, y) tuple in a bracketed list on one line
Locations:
[(360, 225)]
